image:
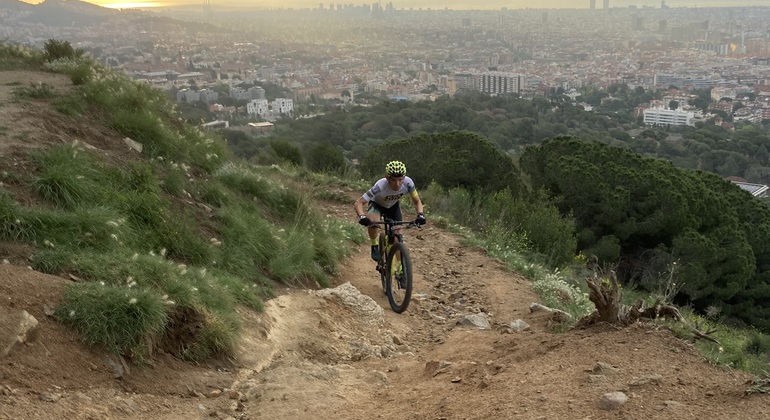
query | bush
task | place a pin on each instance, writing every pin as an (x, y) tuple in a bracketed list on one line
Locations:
[(55, 50), (325, 157), (758, 344), (287, 152)]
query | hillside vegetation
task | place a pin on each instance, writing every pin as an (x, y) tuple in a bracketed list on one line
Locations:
[(164, 234)]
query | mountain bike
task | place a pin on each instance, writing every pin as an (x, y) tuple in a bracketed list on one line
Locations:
[(395, 266)]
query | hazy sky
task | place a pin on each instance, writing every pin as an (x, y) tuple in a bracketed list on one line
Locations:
[(434, 4)]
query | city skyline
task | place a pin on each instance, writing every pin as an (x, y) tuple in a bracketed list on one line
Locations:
[(424, 4)]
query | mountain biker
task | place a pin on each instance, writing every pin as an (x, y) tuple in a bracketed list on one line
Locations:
[(382, 199)]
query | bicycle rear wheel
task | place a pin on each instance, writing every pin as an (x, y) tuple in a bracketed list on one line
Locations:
[(399, 278)]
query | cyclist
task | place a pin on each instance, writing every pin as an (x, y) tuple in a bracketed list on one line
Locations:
[(383, 200)]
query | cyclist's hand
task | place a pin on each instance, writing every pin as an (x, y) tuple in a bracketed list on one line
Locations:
[(420, 220), (364, 221)]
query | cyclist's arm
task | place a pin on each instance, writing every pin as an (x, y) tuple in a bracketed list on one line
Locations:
[(416, 200), (360, 205)]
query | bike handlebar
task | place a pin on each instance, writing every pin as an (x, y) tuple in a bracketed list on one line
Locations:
[(397, 223)]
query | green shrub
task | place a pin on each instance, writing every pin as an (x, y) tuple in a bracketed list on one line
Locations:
[(758, 344), (325, 157), (287, 152), (56, 49)]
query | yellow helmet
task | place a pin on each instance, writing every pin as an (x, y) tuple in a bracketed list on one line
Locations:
[(395, 168)]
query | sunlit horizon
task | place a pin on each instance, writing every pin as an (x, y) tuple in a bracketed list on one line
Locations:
[(421, 4), (138, 5)]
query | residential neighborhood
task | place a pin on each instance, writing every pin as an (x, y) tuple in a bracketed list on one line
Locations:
[(342, 53)]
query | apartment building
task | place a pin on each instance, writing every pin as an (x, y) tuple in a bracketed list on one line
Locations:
[(261, 108), (499, 83), (257, 107), (662, 116)]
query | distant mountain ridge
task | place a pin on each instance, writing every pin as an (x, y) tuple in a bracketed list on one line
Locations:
[(16, 5), (60, 12)]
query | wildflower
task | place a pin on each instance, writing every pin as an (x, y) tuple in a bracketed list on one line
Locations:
[(132, 301), (72, 313)]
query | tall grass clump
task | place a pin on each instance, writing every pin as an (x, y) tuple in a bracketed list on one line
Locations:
[(213, 193), (66, 176), (248, 241), (207, 297), (277, 200), (11, 215), (34, 91), (14, 57), (118, 319), (146, 115), (70, 105)]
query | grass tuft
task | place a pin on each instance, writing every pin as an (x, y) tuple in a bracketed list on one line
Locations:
[(117, 318)]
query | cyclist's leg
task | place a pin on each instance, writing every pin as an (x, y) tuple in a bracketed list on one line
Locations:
[(394, 213), (373, 212)]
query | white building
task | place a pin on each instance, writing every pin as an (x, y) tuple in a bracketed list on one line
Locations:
[(280, 107), (662, 116), (283, 106), (257, 107)]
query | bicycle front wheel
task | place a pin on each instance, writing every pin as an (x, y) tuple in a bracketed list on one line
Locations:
[(399, 278), (383, 272)]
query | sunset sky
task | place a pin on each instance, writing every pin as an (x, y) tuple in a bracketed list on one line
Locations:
[(434, 4)]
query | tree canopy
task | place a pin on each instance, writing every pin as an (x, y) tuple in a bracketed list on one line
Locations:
[(634, 209), (452, 159)]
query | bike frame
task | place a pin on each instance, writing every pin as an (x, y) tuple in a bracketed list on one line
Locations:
[(387, 268)]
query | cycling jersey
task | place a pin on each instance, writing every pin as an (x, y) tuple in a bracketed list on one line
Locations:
[(383, 195)]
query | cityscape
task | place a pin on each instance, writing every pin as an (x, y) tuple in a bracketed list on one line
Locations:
[(340, 52)]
